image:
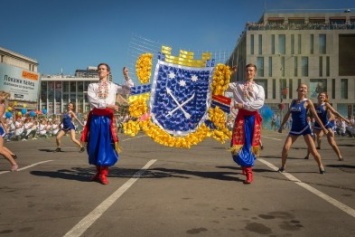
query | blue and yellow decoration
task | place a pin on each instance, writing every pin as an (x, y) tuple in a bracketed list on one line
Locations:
[(177, 108)]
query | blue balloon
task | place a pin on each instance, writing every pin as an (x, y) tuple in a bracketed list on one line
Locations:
[(44, 111), (8, 114), (24, 111), (32, 113), (266, 112)]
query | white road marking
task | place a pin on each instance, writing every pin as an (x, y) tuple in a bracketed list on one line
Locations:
[(271, 138), (26, 167), (315, 191), (95, 214)]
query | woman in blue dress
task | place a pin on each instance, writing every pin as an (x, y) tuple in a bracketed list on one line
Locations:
[(327, 114), (9, 155), (68, 126), (300, 126)]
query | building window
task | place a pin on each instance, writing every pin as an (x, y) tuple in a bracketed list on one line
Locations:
[(282, 44), (295, 66), (65, 100), (252, 44), (337, 21), (260, 65), (274, 88), (344, 89), (317, 86), (322, 44), (270, 66), (72, 97), (51, 91), (86, 85), (260, 46), (283, 88), (311, 44), (58, 91), (73, 86), (292, 44), (333, 89), (299, 44), (1, 58), (273, 44), (304, 66), (66, 86), (282, 66), (316, 20), (290, 88), (44, 92), (80, 86), (327, 66), (320, 66)]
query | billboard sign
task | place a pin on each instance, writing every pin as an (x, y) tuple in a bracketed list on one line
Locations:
[(21, 84)]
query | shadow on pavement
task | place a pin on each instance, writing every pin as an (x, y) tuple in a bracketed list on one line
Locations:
[(65, 174), (84, 174)]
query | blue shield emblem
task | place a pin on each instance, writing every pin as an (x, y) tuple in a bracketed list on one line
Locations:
[(180, 97)]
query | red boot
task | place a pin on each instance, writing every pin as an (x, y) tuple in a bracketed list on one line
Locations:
[(103, 175), (97, 175), (249, 175)]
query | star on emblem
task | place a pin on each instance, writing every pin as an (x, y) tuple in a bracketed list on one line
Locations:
[(171, 75), (194, 78), (182, 83)]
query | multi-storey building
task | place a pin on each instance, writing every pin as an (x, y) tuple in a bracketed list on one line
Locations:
[(289, 48), (19, 77), (57, 91)]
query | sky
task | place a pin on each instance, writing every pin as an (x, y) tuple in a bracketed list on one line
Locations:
[(65, 35)]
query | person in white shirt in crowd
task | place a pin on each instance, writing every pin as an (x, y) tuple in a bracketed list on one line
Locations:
[(49, 127), (350, 128), (342, 127), (42, 128), (34, 130), (54, 128), (30, 128), (19, 128)]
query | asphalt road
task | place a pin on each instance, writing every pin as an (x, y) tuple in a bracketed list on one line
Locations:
[(159, 191)]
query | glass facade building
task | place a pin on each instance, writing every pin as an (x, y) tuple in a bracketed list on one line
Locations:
[(56, 92)]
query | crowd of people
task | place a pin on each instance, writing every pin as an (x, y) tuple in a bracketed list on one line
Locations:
[(22, 128), (25, 127)]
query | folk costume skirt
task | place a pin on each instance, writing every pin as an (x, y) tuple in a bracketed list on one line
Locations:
[(101, 137)]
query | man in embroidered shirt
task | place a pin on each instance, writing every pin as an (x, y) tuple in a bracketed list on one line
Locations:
[(100, 131), (248, 98)]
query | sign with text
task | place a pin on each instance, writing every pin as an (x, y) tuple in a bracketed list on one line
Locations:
[(21, 84)]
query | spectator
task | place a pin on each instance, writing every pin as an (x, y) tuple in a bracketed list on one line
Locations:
[(19, 128)]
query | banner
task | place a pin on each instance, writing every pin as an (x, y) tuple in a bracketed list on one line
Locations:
[(176, 109), (21, 84)]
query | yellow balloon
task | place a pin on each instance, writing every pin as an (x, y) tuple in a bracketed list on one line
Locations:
[(9, 108), (19, 113), (24, 105)]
